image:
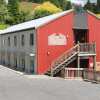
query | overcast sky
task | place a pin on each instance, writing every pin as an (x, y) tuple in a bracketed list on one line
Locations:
[(83, 2), (92, 1)]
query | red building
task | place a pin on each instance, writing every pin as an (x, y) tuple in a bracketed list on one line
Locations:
[(67, 40), (62, 33)]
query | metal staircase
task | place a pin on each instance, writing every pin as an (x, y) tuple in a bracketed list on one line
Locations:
[(81, 49)]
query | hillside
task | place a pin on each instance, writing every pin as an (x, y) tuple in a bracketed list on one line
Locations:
[(27, 6)]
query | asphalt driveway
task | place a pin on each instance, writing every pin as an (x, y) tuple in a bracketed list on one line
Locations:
[(17, 86)]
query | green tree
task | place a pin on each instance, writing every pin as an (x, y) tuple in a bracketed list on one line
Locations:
[(13, 10), (63, 4), (98, 6), (45, 9), (3, 11), (93, 7)]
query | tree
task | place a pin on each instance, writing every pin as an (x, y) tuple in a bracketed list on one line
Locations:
[(3, 11), (13, 10), (45, 9), (63, 4), (98, 6), (93, 7)]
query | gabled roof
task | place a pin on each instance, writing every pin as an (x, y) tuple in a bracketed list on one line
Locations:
[(34, 23), (38, 22), (93, 14)]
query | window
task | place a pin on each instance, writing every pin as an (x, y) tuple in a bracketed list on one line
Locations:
[(8, 59), (15, 41), (31, 39), (8, 41), (23, 64), (23, 40), (3, 42), (32, 65), (15, 61)]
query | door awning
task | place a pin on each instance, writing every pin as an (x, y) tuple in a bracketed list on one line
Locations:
[(80, 21)]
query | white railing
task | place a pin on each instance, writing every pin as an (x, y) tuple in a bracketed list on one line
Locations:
[(73, 72)]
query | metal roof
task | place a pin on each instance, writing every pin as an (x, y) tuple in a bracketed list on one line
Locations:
[(34, 23)]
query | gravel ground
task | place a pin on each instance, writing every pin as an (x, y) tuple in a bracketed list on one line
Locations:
[(18, 86)]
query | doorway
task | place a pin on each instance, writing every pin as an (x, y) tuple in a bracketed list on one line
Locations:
[(80, 35), (84, 63)]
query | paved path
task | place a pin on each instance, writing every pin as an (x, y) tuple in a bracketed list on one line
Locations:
[(16, 86)]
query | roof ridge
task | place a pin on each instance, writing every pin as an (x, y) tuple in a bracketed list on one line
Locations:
[(34, 23)]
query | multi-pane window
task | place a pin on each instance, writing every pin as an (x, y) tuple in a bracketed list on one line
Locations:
[(15, 41), (23, 40), (31, 39), (8, 41)]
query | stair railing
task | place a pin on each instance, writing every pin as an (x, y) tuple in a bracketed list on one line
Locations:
[(77, 49), (65, 56)]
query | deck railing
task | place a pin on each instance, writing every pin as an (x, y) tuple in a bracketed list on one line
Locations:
[(73, 72), (87, 48), (91, 75)]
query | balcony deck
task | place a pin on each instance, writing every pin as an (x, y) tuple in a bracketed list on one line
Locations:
[(87, 49)]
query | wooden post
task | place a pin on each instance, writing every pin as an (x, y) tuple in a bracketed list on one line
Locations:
[(94, 67), (94, 61), (78, 60), (51, 71)]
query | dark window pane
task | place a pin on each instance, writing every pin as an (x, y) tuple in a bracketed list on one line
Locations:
[(15, 41), (8, 41), (31, 39), (23, 40)]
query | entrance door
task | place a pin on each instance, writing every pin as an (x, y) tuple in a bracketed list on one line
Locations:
[(80, 35)]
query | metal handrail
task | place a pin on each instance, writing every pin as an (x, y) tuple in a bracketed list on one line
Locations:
[(65, 55), (79, 48)]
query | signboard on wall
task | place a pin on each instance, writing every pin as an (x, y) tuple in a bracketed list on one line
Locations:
[(57, 39), (98, 66)]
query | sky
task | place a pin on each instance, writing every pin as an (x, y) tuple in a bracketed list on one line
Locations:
[(82, 2)]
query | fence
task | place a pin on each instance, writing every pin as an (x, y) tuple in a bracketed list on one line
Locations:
[(91, 75), (73, 72), (86, 74)]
